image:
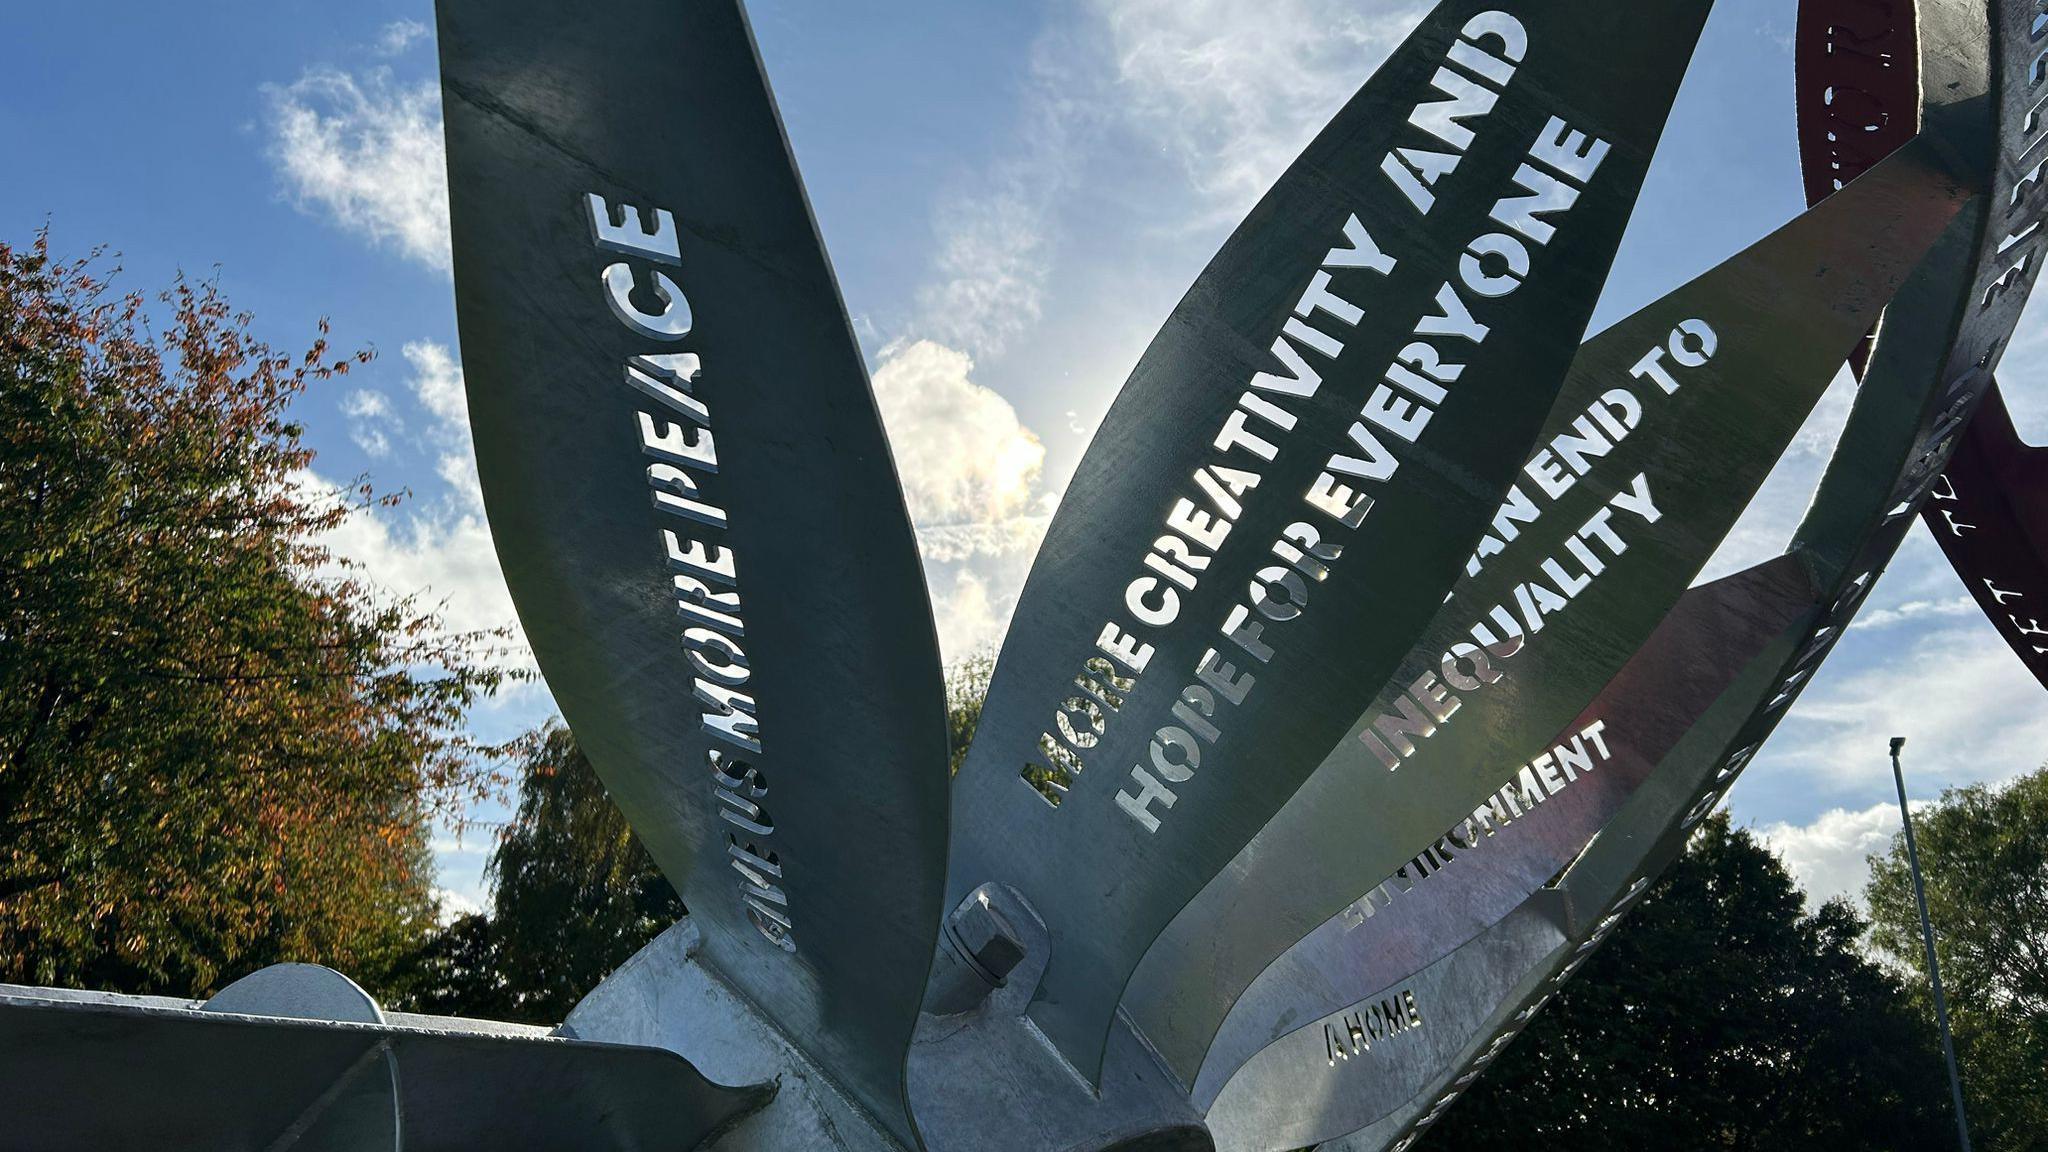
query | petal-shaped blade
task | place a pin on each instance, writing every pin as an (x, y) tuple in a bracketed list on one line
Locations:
[(694, 503), (1297, 468), (1669, 423)]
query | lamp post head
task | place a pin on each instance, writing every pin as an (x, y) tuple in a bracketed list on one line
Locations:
[(1898, 742)]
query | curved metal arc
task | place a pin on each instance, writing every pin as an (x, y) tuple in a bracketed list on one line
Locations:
[(1245, 541), (694, 503), (1989, 513), (1857, 100)]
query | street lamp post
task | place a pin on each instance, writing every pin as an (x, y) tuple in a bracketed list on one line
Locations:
[(1948, 1047)]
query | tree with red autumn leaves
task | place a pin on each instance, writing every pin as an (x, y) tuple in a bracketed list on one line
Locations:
[(219, 745)]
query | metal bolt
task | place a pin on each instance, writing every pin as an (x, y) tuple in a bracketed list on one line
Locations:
[(986, 937)]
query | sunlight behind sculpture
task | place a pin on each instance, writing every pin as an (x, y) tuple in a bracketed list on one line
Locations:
[(1359, 691)]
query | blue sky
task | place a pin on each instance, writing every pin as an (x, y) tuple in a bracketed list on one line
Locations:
[(1015, 194)]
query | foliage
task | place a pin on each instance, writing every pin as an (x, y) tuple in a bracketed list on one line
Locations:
[(966, 688), (574, 895), (217, 746), (1984, 857), (1719, 1015)]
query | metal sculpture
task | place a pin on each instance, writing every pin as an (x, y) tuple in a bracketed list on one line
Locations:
[(694, 503), (1666, 427), (1357, 692), (1296, 471), (1939, 344)]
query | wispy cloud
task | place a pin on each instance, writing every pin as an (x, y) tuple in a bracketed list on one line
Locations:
[(1916, 610), (438, 387), (364, 151), (990, 271), (1970, 708), (1234, 91), (397, 37), (371, 423)]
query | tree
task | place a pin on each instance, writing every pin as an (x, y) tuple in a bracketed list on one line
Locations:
[(574, 895), (966, 688), (1984, 858), (218, 747), (1719, 1015), (573, 891)]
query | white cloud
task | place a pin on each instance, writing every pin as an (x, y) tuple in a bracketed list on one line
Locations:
[(366, 152), (1234, 91), (970, 614), (1970, 709), (437, 385), (454, 905), (969, 467), (1916, 610), (1829, 856), (442, 550), (371, 422), (459, 846), (437, 550), (400, 35)]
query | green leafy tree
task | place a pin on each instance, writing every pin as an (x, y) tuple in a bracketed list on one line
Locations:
[(218, 748), (1719, 1015), (1984, 857), (574, 895), (966, 688)]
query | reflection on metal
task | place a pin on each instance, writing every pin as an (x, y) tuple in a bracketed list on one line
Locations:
[(1297, 469), (86, 1070), (694, 503), (981, 1078), (298, 992), (1668, 423), (1479, 872), (1774, 604), (1373, 582)]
